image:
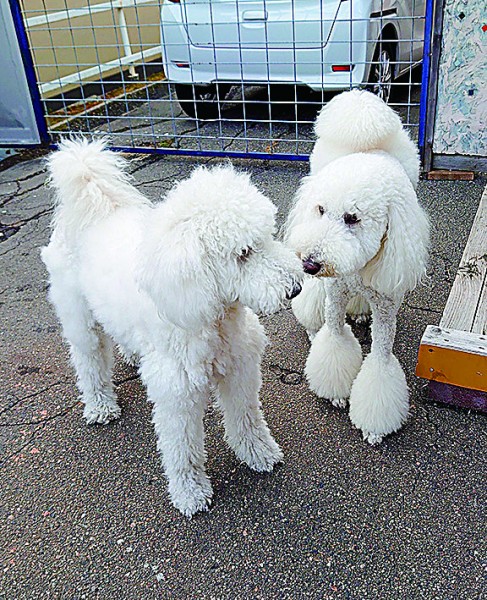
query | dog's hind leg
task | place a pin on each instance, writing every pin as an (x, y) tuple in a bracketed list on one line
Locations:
[(90, 348), (92, 358), (238, 384), (335, 355), (179, 406), (379, 402), (358, 309)]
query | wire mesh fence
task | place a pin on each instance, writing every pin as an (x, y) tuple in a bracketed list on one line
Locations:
[(218, 76)]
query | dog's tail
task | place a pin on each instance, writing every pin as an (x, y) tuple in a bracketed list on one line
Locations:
[(90, 182), (359, 121)]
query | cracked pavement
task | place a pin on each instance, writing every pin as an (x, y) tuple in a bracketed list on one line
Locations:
[(84, 510)]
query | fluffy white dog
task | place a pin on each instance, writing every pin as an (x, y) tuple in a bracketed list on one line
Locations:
[(175, 284), (359, 229)]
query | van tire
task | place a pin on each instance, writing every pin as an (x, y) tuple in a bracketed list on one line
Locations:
[(201, 101)]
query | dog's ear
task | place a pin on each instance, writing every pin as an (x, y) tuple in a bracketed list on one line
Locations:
[(402, 260), (177, 275), (299, 212)]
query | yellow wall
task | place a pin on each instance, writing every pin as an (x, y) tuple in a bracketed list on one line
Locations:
[(64, 47)]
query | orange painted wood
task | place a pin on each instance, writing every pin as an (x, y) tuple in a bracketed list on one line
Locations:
[(451, 366)]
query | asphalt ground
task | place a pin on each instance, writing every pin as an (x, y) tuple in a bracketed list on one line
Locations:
[(84, 511)]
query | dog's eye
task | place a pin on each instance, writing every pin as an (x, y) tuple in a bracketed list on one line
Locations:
[(350, 219), (244, 254), (321, 210)]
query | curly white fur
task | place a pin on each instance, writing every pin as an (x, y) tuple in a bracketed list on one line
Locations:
[(356, 121), (356, 218), (175, 284)]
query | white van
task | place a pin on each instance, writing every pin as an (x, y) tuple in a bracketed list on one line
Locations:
[(329, 45)]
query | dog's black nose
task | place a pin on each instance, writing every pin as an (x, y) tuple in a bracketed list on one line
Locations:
[(310, 266), (294, 292)]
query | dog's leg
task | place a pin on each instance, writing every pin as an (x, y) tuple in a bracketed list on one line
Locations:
[(238, 385), (92, 357), (178, 412), (335, 355), (91, 351), (379, 401)]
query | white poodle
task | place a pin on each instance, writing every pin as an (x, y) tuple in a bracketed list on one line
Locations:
[(359, 229), (175, 284)]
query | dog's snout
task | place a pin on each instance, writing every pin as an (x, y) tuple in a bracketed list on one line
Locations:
[(294, 292), (310, 266)]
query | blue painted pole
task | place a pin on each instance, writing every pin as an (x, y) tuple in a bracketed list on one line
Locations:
[(428, 28), (29, 71)]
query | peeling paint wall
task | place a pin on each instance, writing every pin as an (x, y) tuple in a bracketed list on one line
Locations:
[(461, 114)]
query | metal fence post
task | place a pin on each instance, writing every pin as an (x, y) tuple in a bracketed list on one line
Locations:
[(429, 87)]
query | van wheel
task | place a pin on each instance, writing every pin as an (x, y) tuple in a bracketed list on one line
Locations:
[(201, 101), (382, 72)]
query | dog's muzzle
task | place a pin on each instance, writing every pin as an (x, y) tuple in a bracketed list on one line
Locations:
[(320, 270), (294, 292), (311, 267)]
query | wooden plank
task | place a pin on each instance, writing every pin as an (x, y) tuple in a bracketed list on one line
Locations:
[(451, 339), (455, 161), (453, 357), (479, 324), (463, 301), (444, 175), (457, 396)]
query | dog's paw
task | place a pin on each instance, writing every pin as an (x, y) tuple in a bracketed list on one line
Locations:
[(339, 402), (311, 334), (379, 400), (130, 359), (372, 438), (101, 413), (333, 363), (364, 318), (191, 495), (260, 452)]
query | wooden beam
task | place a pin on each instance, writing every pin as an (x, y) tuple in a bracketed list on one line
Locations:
[(459, 163), (466, 308), (453, 357), (444, 175)]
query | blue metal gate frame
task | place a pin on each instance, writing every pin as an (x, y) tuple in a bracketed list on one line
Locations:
[(426, 116), (425, 78), (30, 76)]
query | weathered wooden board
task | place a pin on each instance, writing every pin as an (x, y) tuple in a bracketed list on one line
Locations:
[(464, 308), (480, 322), (446, 175), (452, 339), (453, 357)]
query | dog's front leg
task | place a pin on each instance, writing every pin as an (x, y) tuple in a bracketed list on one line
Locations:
[(335, 355), (379, 401), (178, 412), (238, 383)]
